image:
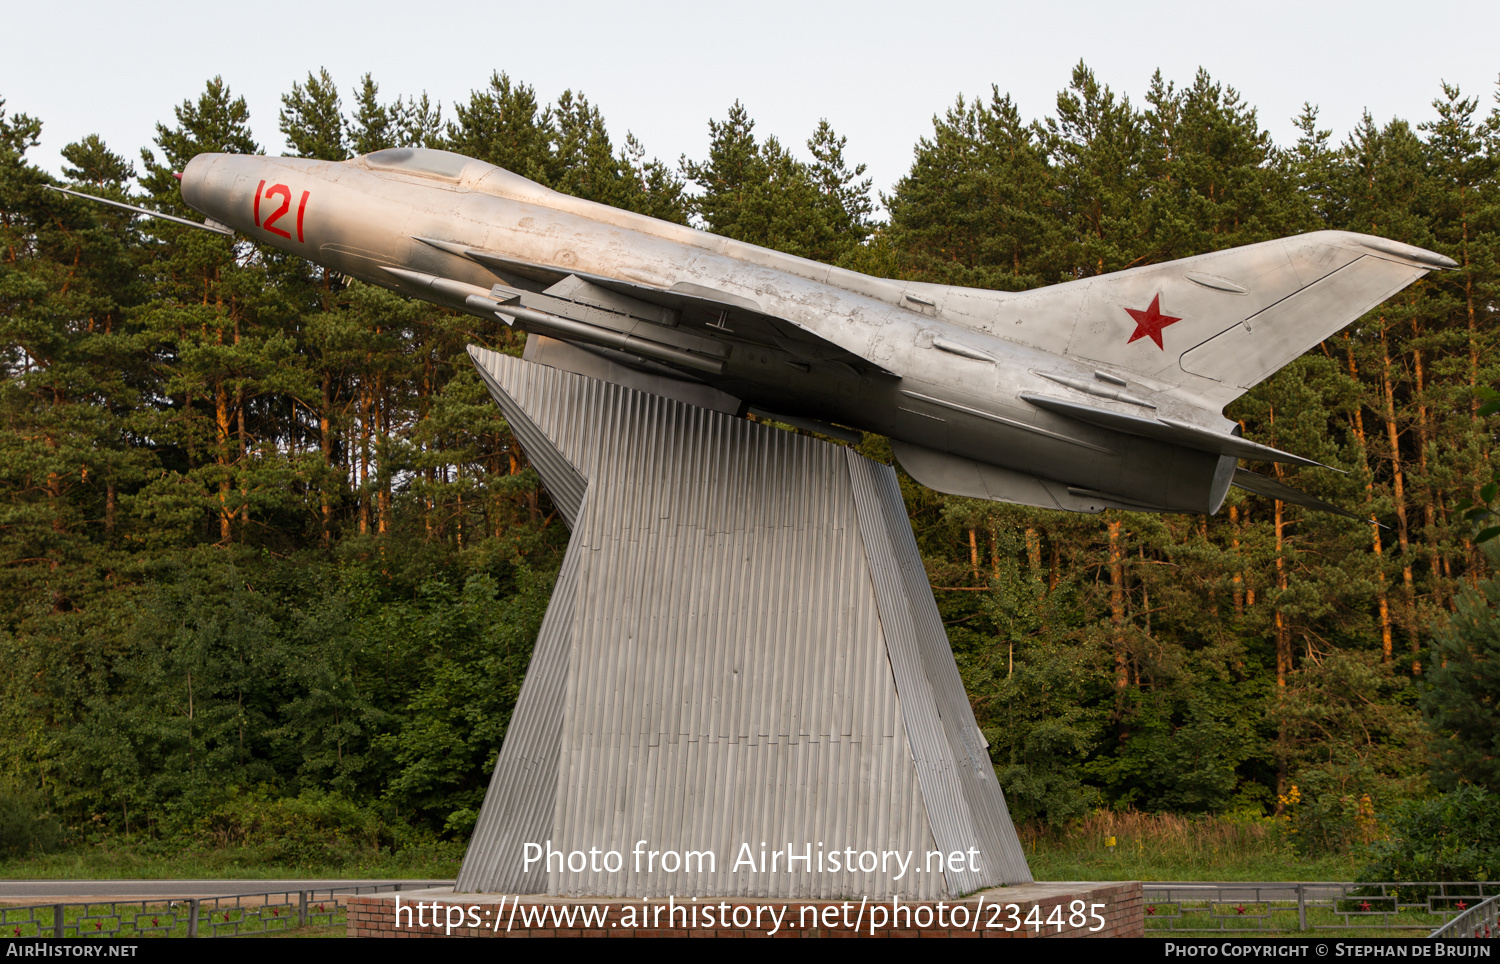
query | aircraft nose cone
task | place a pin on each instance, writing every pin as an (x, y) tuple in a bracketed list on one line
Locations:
[(202, 189)]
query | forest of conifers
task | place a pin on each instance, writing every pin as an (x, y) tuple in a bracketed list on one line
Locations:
[(263, 531)]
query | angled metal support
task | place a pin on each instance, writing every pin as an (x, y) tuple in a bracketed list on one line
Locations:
[(742, 684)]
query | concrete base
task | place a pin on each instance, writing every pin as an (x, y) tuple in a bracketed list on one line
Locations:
[(1030, 910)]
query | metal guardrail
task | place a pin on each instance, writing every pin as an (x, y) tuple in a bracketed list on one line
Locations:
[(233, 915), (1314, 906), (1482, 920)]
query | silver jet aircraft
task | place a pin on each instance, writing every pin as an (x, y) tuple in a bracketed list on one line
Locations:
[(1105, 392)]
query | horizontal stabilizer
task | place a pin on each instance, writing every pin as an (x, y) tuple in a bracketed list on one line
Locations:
[(1169, 430), (1271, 489)]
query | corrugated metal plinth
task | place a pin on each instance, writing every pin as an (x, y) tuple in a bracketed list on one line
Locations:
[(741, 672)]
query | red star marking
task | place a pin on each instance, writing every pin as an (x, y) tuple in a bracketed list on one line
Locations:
[(1364, 905), (1150, 910), (1149, 323), (1240, 909), (1462, 905)]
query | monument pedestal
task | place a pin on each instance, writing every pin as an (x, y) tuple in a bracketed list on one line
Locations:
[(742, 687)]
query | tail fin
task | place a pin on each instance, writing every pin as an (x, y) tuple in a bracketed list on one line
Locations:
[(1215, 325), (1248, 352)]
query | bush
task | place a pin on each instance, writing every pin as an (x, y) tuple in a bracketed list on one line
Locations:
[(27, 827), (1330, 810), (312, 828), (1461, 702), (1454, 836)]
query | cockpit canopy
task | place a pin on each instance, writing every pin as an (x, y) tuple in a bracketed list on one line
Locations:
[(465, 173), (419, 160)]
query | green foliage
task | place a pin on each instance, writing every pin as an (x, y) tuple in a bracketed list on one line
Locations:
[(313, 828), (1453, 836), (977, 207), (27, 825), (1483, 516), (761, 194), (565, 147), (1164, 846), (271, 553), (18, 134), (476, 646), (1181, 759), (313, 120), (413, 122), (1461, 701), (1328, 812), (1040, 734)]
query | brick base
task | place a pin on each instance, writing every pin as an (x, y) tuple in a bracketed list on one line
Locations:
[(1032, 910)]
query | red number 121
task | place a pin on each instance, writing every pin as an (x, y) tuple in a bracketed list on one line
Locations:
[(285, 193)]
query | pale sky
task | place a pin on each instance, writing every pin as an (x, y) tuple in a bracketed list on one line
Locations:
[(878, 71)]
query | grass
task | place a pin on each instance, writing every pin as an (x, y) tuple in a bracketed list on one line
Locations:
[(120, 858), (1147, 847), (148, 919), (1279, 919), (1152, 847), (1169, 847), (334, 930)]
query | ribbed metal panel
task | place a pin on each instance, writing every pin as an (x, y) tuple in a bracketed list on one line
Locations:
[(728, 678), (519, 803), (963, 796), (560, 476)]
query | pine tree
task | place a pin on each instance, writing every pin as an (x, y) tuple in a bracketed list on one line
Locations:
[(583, 161), (374, 125), (1215, 184), (762, 194), (658, 190), (505, 125), (219, 327), (847, 208), (1461, 704), (731, 179), (1099, 152), (1452, 348), (313, 121), (979, 206)]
